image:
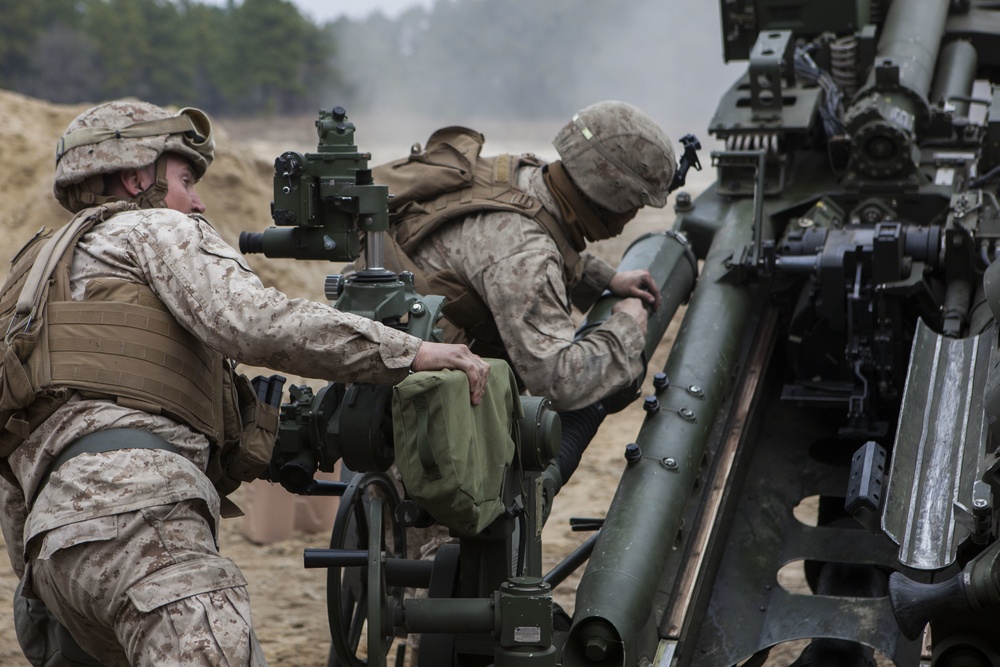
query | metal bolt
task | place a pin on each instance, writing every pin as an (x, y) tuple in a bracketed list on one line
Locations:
[(682, 202), (417, 309), (369, 221), (695, 390), (596, 649), (686, 414), (980, 503), (632, 452), (661, 381), (670, 464), (650, 404)]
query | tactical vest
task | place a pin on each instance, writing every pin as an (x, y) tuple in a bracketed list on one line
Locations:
[(120, 343), (448, 180)]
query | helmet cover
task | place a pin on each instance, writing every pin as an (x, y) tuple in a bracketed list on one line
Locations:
[(617, 156), (129, 134)]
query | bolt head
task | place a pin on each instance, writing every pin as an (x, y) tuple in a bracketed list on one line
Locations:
[(596, 649)]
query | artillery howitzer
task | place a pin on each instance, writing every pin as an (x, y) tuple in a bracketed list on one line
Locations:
[(828, 404), (839, 353), (485, 600)]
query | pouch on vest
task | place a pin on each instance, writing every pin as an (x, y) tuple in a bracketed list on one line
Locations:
[(453, 456), (24, 400), (445, 164), (250, 426), (17, 391)]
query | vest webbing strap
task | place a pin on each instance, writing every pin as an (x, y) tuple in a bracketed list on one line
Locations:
[(491, 190), (18, 274), (54, 249)]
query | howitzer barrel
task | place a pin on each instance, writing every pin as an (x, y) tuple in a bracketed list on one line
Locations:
[(671, 262), (614, 602), (911, 37), (956, 73)]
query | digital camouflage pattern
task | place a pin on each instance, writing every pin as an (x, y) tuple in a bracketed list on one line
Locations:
[(516, 267), (212, 292), (618, 156), (149, 589)]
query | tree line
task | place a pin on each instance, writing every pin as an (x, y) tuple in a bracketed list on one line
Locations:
[(515, 59), (258, 56)]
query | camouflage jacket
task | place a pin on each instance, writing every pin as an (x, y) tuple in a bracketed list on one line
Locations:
[(517, 269), (213, 293)]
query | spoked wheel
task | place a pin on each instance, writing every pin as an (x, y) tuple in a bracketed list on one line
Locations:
[(349, 589), (379, 637)]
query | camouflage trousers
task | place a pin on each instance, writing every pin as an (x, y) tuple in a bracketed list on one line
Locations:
[(147, 588)]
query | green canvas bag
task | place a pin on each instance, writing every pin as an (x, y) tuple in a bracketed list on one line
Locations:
[(453, 456)]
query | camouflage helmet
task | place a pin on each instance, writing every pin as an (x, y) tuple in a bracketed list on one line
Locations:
[(617, 156), (128, 134)]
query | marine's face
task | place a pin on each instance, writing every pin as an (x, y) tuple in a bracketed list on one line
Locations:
[(181, 179)]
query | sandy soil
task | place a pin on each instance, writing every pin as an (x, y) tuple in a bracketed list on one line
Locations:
[(289, 601)]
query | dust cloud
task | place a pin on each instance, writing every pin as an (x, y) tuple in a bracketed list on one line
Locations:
[(663, 56)]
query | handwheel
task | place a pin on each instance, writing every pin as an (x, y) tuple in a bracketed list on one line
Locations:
[(347, 587)]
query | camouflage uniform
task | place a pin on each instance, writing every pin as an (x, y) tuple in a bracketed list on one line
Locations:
[(514, 265), (151, 588), (620, 160), (614, 159)]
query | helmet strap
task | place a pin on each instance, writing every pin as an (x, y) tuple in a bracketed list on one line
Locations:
[(582, 220), (86, 194), (155, 195)]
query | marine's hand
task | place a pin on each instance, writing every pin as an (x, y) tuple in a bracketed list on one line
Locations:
[(635, 308), (637, 283), (438, 356)]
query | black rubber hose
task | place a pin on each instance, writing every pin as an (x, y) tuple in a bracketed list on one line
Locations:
[(578, 428)]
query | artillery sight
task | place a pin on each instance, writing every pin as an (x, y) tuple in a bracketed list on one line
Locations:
[(322, 200)]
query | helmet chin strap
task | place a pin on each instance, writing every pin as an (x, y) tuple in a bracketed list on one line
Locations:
[(156, 194), (84, 195)]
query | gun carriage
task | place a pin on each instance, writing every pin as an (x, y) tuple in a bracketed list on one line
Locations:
[(843, 340), (827, 408)]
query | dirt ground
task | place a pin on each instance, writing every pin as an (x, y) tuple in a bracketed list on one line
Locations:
[(289, 601)]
